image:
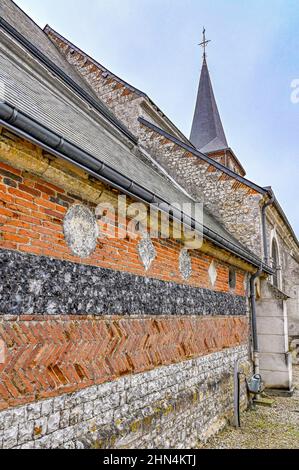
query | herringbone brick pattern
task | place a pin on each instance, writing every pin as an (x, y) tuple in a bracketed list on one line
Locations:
[(49, 356)]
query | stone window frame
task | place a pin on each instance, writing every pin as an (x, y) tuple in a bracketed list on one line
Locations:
[(274, 242)]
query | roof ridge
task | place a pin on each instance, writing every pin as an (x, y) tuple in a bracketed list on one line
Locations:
[(48, 28), (168, 122)]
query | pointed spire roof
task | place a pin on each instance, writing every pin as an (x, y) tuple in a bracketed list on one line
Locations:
[(207, 133)]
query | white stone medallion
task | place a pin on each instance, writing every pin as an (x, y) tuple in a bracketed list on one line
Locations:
[(81, 230), (185, 264), (146, 250)]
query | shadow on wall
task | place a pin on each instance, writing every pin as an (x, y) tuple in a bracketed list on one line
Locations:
[(272, 325)]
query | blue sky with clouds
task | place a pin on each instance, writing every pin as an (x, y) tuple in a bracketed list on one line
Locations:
[(253, 59)]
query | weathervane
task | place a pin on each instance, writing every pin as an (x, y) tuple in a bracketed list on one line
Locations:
[(204, 43)]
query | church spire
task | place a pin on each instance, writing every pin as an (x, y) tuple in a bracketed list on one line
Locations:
[(207, 133)]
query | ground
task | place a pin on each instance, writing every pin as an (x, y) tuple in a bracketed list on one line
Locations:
[(264, 428)]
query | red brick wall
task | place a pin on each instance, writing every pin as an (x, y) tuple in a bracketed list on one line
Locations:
[(49, 356), (31, 217)]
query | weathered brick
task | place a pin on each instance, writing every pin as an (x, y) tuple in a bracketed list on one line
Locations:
[(29, 190), (10, 182)]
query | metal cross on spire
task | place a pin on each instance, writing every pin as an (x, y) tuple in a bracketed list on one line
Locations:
[(204, 43)]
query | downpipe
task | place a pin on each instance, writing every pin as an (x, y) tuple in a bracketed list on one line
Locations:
[(237, 419), (264, 225), (256, 362), (255, 356)]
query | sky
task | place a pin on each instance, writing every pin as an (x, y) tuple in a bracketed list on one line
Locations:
[(252, 58)]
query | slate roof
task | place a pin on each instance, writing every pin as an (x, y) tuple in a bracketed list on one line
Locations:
[(30, 32), (207, 134), (217, 143), (26, 26)]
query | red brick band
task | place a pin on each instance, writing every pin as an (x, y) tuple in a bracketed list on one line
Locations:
[(31, 221), (49, 356)]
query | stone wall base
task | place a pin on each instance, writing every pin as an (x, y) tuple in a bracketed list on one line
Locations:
[(169, 407)]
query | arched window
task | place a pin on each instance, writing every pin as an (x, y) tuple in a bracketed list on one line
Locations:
[(275, 263)]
